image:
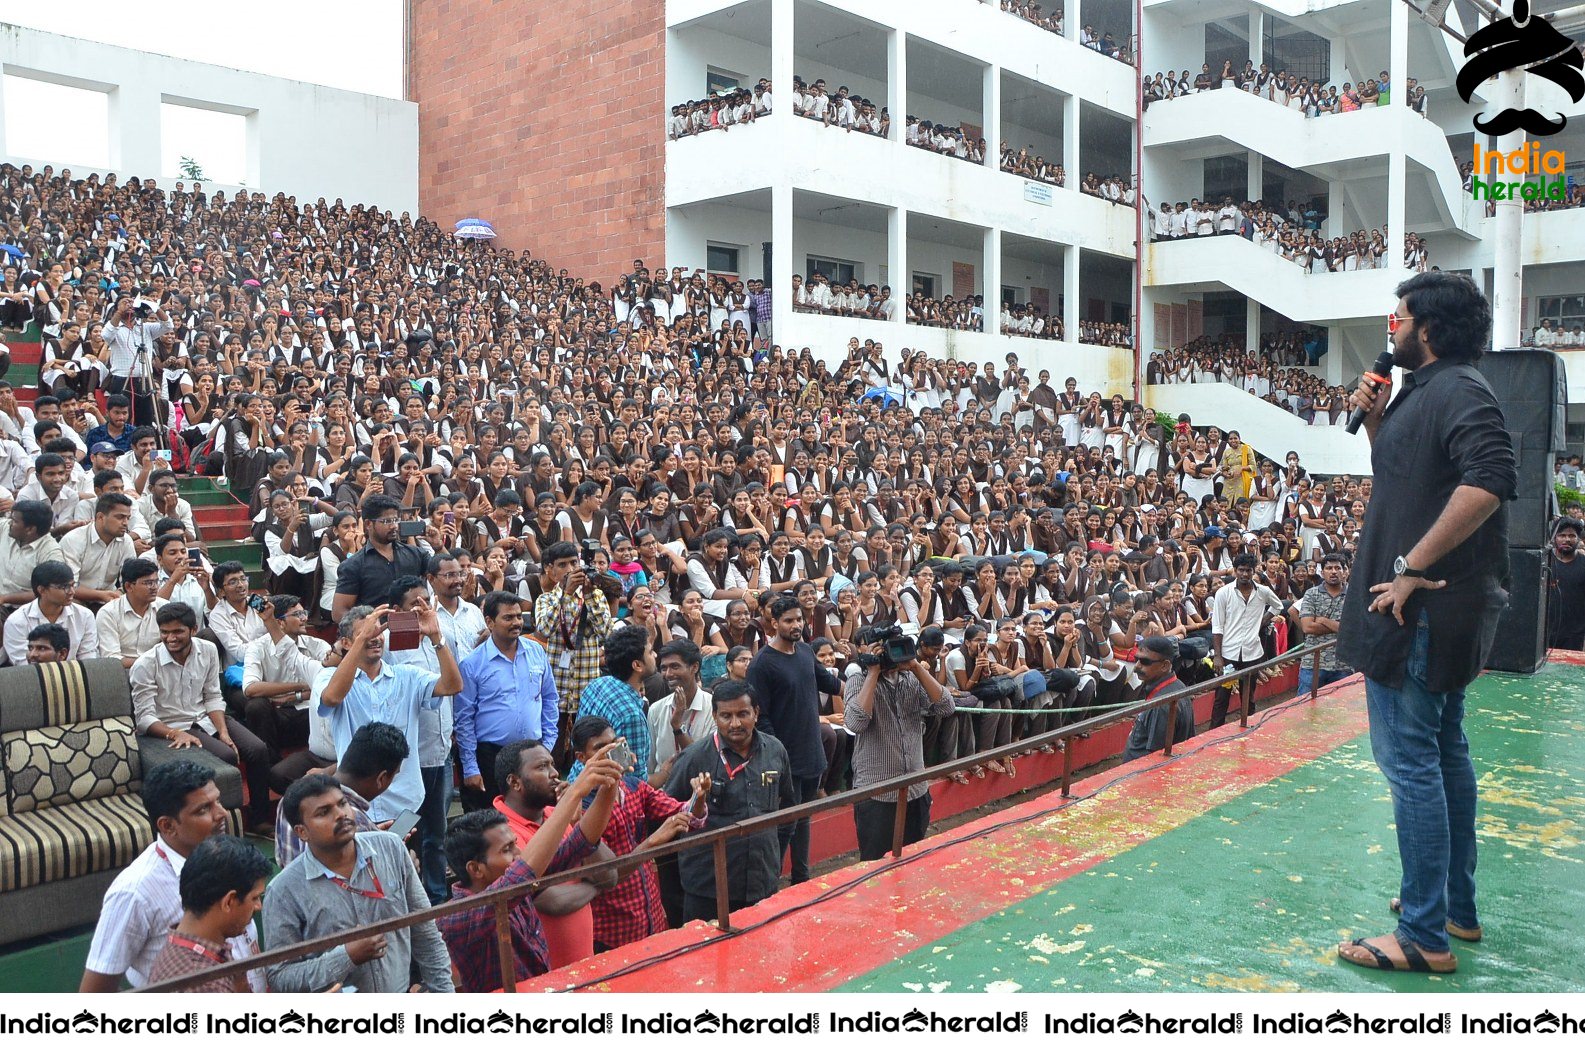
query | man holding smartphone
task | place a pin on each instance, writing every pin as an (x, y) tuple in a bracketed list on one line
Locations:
[(366, 577)]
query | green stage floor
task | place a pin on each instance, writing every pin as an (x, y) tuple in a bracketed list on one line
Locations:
[(1254, 894)]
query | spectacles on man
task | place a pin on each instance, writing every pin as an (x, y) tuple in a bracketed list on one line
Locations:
[(1394, 320)]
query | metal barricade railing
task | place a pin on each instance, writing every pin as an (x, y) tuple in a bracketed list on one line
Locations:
[(501, 901)]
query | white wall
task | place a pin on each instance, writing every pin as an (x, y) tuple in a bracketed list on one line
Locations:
[(303, 139), (691, 49)]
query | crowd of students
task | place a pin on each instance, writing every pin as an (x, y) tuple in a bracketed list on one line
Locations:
[(1288, 234), (1276, 374), (1298, 93), (537, 516), (1104, 42)]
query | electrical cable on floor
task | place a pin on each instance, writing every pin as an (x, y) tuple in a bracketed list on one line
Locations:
[(896, 862)]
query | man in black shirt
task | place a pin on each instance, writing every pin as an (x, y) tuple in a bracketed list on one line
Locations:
[(748, 776), (788, 682), (1422, 606), (1565, 600), (365, 578)]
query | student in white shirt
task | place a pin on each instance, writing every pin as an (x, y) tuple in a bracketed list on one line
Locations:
[(144, 902)]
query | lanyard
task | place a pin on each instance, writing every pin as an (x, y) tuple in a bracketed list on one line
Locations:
[(731, 774), (197, 948), (1171, 679), (378, 893)]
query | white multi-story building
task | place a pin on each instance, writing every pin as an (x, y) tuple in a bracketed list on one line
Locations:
[(788, 195), (1384, 167)]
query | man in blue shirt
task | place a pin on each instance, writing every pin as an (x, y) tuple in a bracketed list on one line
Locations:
[(617, 695), (508, 694), (114, 430), (363, 688)]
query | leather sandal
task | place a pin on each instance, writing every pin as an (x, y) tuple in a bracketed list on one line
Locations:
[(1472, 934)]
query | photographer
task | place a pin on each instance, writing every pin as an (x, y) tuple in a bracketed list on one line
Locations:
[(573, 617), (886, 710), (130, 338)]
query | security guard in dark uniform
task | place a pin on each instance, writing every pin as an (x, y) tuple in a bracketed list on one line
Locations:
[(750, 775)]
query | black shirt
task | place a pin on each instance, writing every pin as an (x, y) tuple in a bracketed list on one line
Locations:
[(788, 688), (764, 785), (1565, 605), (368, 575), (1444, 430)]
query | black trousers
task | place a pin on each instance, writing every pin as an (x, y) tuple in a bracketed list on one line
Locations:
[(254, 761), (142, 398), (697, 907), (796, 835), (278, 726), (473, 799), (1225, 693), (874, 820)]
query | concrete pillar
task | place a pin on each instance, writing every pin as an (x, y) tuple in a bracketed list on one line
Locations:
[(1070, 141), (991, 114), (5, 150), (1336, 352), (1397, 56), (897, 272), (1254, 187), (896, 81), (1251, 325), (1070, 294), (1072, 19), (782, 50), (993, 280), (134, 129), (783, 266), (1257, 38), (1335, 226)]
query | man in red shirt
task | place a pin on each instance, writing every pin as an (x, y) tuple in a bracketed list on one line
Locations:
[(633, 910), (528, 779), (482, 848)]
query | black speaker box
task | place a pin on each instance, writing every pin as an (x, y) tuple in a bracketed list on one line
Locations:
[(1520, 645), (1532, 389)]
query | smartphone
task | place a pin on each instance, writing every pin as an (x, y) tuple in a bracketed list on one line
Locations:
[(195, 558), (622, 755), (404, 824), (449, 518), (411, 528), (256, 602)]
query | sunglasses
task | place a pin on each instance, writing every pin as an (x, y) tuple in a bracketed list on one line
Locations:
[(1393, 321)]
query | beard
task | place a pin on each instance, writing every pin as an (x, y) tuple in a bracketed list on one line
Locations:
[(1408, 355)]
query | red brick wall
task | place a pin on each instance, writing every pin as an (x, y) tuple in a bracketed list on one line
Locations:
[(547, 120)]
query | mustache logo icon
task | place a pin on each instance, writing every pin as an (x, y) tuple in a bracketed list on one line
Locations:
[(1529, 44)]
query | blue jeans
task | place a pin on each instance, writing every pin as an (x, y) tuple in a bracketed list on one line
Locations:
[(429, 840), (1417, 737), (1306, 672)]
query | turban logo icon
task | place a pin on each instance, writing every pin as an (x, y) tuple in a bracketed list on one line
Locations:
[(1530, 44)]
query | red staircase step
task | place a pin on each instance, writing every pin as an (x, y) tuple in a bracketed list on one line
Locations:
[(26, 353), (229, 530)]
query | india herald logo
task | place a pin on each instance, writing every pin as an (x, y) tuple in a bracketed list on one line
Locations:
[(1530, 44)]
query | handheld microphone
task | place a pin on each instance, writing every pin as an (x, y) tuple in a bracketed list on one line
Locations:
[(1381, 375)]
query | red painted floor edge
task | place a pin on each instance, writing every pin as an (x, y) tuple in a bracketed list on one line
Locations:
[(919, 901)]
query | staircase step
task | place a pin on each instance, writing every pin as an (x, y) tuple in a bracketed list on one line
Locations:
[(199, 483), (211, 498), (225, 530), (219, 515), (250, 554), (24, 353)]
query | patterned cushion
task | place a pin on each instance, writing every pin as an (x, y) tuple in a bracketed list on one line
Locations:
[(54, 765), (67, 842)]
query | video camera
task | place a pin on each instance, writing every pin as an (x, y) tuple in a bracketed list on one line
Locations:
[(896, 647), (588, 549)]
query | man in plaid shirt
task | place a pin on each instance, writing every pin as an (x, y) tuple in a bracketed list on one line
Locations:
[(571, 619), (482, 849), (633, 910)]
